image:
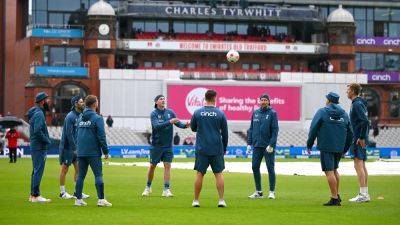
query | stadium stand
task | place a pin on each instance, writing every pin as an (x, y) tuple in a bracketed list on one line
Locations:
[(388, 137)]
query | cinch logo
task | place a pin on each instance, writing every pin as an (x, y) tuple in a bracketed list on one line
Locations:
[(381, 77), (394, 42), (85, 123), (364, 41), (208, 114), (337, 119), (195, 99)]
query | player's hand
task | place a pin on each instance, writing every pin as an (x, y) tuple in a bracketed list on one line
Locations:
[(269, 149), (361, 142), (174, 120), (309, 151), (187, 124), (248, 150)]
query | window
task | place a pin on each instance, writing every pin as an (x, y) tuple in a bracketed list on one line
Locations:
[(394, 104), (138, 25), (223, 66), (245, 66), (287, 67), (62, 56), (40, 17), (181, 64), (67, 16), (230, 28), (381, 14), (370, 14), (148, 64), (56, 18), (179, 27), (380, 29), (191, 27), (373, 101), (57, 56), (242, 29), (324, 12), (380, 61), (202, 27), (370, 28), (163, 26), (380, 65), (191, 65), (395, 15), (64, 5), (344, 37), (358, 62), (277, 67), (213, 65), (41, 5), (359, 14), (255, 66), (158, 64), (394, 29), (361, 28), (150, 26), (219, 28), (392, 62), (281, 29), (73, 56), (369, 61), (64, 93)]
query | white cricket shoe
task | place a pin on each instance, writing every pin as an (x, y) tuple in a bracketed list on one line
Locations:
[(103, 202), (40, 199), (271, 195), (256, 194), (85, 196), (221, 203), (65, 195), (360, 198), (167, 193), (147, 191), (80, 202), (196, 203)]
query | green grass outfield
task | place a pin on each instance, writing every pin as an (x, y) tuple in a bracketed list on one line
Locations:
[(299, 199)]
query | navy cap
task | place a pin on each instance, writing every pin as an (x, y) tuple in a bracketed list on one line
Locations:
[(333, 97), (74, 100), (156, 99), (264, 96), (40, 96)]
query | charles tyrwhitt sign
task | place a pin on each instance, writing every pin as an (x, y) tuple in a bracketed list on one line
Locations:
[(225, 12)]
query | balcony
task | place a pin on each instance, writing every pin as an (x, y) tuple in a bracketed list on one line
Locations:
[(221, 46), (54, 31), (60, 70)]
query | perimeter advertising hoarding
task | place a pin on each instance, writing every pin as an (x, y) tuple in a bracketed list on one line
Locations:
[(237, 102)]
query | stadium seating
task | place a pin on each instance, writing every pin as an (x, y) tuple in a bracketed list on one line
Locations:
[(234, 139), (387, 137), (213, 37)]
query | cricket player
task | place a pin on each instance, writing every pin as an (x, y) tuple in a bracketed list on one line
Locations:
[(211, 142)]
